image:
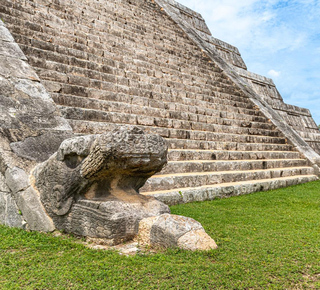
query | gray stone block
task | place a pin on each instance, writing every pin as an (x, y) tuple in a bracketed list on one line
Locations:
[(174, 231), (3, 185), (10, 49), (16, 68), (196, 240), (9, 212), (33, 211), (167, 229), (3, 207), (170, 197), (40, 148), (16, 179), (5, 34), (14, 217)]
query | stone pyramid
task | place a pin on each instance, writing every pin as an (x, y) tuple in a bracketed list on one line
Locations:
[(88, 66)]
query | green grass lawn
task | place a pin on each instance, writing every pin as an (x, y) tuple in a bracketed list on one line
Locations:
[(268, 240)]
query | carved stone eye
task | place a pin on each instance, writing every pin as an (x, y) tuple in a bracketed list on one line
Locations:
[(73, 161)]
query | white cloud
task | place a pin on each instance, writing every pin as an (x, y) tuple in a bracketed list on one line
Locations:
[(274, 74), (256, 23), (229, 16), (277, 38)]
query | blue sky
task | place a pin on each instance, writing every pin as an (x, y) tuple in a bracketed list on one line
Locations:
[(277, 39)]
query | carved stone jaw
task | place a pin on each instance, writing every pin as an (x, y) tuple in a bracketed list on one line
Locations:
[(91, 185)]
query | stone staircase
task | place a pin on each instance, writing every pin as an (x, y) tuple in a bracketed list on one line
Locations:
[(195, 175), (118, 63), (300, 119), (207, 165)]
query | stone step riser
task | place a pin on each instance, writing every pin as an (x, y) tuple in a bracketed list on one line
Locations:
[(180, 133), (158, 183), (39, 37), (86, 127), (107, 89), (186, 167), (197, 121), (98, 81), (226, 146), (175, 155), (200, 129), (67, 62), (183, 195), (97, 91)]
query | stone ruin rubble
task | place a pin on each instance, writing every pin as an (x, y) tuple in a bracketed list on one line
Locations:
[(112, 110)]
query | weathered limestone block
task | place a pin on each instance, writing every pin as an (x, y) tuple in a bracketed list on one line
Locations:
[(170, 230), (27, 200), (41, 147), (9, 212), (90, 187)]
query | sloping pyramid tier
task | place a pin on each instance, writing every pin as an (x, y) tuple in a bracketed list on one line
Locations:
[(111, 63)]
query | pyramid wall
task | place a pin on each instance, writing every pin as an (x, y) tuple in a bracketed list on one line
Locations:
[(154, 64), (300, 119), (100, 65)]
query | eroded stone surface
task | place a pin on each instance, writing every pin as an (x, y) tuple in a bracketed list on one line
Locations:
[(31, 129), (41, 147), (170, 230), (9, 212), (17, 179), (27, 112), (196, 240), (144, 233), (26, 201), (23, 203), (90, 187), (32, 210)]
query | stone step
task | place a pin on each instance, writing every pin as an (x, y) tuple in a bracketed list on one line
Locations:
[(189, 166), (170, 122), (181, 180), (100, 76), (107, 86), (38, 34), (56, 34), (210, 192), (81, 127), (179, 144), (54, 53), (109, 9), (196, 154), (147, 107), (93, 83), (228, 134), (67, 56), (98, 85)]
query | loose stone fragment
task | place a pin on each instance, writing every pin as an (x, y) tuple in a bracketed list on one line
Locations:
[(170, 230)]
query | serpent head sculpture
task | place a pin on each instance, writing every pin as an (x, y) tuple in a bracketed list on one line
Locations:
[(90, 186)]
